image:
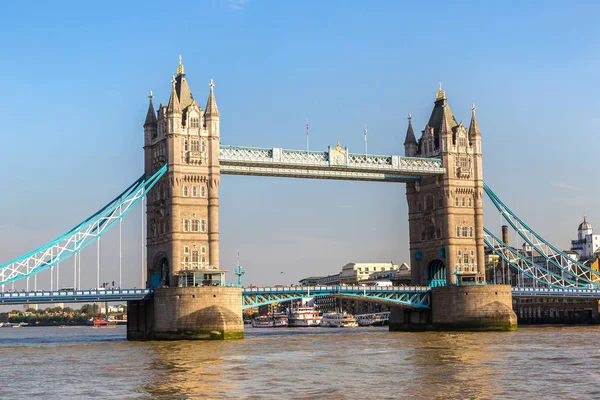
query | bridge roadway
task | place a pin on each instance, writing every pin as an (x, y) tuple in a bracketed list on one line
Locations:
[(407, 296)]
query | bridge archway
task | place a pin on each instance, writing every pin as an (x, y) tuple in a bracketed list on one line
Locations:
[(436, 273), (160, 273)]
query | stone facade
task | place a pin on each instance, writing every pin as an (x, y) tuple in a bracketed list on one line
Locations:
[(446, 212), (183, 208)]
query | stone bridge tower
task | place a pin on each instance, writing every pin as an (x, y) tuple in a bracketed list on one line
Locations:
[(189, 300), (446, 231), (183, 208), (446, 212)]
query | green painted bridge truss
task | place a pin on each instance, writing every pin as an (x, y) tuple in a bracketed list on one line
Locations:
[(408, 296)]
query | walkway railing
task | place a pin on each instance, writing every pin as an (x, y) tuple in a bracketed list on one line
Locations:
[(74, 296), (335, 163)]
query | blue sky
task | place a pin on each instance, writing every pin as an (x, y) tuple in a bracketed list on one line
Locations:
[(75, 78)]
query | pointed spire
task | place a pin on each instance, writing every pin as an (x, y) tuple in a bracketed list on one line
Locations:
[(173, 106), (473, 127), (211, 105), (410, 134), (441, 94), (180, 67), (151, 115)]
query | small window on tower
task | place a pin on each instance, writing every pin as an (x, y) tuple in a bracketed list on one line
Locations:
[(194, 191), (203, 250), (185, 191), (202, 191), (186, 249), (202, 225)]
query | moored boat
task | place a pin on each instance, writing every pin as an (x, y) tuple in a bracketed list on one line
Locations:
[(276, 320), (338, 320), (303, 316)]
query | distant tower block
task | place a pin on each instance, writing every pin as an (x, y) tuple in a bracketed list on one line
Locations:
[(190, 301)]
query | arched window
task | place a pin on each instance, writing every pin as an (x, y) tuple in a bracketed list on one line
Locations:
[(464, 231), (185, 191), (202, 146), (471, 231), (185, 145), (195, 225), (470, 202), (195, 256), (194, 191), (458, 231), (463, 202), (202, 191), (429, 203), (456, 201), (203, 250), (186, 225), (459, 254), (202, 225), (466, 258)]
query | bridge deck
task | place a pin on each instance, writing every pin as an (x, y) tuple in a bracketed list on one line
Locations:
[(331, 164), (411, 296)]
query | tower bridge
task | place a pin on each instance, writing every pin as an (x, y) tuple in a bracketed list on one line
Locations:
[(185, 295)]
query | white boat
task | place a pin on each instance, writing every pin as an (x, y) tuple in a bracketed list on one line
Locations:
[(303, 316), (277, 320), (338, 320), (6, 325)]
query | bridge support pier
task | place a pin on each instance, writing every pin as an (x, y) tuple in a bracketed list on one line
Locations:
[(466, 308), (213, 312)]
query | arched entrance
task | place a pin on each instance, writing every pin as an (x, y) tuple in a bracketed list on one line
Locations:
[(165, 272), (436, 273), (161, 272)]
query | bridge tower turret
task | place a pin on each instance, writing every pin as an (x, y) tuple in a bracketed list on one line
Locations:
[(446, 212), (446, 231), (410, 143), (182, 209), (182, 244)]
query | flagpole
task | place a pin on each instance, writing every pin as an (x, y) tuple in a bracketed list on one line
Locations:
[(307, 148), (366, 152)]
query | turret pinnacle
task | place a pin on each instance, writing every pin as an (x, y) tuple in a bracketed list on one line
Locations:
[(211, 105), (473, 127), (410, 134), (173, 106), (151, 115)]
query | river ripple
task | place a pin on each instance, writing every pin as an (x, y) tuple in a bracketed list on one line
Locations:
[(310, 363)]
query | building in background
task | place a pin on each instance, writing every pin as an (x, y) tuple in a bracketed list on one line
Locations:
[(587, 242), (352, 273), (310, 281)]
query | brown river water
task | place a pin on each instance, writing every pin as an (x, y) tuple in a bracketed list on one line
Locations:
[(302, 363)]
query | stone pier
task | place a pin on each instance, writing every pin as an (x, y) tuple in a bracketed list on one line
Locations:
[(455, 308), (187, 313)]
